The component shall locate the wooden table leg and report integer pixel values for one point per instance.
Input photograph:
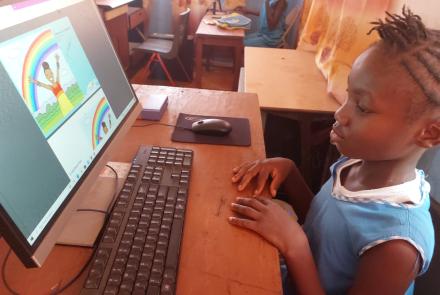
(306, 145)
(307, 139)
(199, 56)
(238, 61)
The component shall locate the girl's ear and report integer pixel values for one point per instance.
(429, 136)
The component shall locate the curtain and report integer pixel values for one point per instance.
(337, 31)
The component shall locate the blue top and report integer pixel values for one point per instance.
(273, 36)
(340, 229)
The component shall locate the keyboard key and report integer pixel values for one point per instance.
(187, 161)
(155, 279)
(167, 289)
(114, 280)
(126, 286)
(174, 244)
(111, 290)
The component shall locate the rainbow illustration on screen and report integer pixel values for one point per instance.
(38, 52)
(102, 110)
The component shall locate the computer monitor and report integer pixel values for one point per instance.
(65, 104)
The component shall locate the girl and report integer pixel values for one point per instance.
(368, 231)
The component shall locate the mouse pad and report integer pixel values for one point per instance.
(240, 134)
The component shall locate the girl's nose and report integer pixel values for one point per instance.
(341, 115)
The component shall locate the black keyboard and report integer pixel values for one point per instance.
(139, 249)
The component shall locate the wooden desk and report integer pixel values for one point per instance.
(216, 258)
(212, 35)
(289, 83)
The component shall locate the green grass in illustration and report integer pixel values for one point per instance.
(53, 116)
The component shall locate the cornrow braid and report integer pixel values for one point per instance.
(419, 46)
(403, 31)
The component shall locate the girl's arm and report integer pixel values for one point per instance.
(273, 223)
(299, 194)
(302, 269)
(41, 84)
(388, 268)
(274, 14)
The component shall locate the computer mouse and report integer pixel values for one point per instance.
(217, 127)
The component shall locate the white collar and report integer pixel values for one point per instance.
(404, 193)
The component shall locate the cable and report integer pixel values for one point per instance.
(112, 200)
(69, 283)
(115, 194)
(12, 291)
(163, 124)
(92, 210)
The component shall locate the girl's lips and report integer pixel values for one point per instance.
(335, 136)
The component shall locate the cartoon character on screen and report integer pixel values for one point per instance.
(104, 127)
(65, 105)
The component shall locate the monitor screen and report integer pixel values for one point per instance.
(64, 98)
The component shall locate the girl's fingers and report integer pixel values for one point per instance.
(245, 211)
(242, 222)
(262, 179)
(255, 203)
(251, 173)
(243, 166)
(275, 184)
(264, 200)
(236, 169)
(240, 171)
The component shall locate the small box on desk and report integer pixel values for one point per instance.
(153, 106)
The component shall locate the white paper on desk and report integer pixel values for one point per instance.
(112, 3)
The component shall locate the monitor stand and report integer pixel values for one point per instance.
(83, 227)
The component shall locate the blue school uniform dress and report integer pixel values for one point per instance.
(341, 225)
(266, 37)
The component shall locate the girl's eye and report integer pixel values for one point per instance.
(361, 109)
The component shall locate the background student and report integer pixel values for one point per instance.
(368, 231)
(271, 24)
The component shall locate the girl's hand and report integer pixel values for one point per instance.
(277, 168)
(270, 221)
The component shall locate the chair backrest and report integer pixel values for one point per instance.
(180, 32)
(291, 18)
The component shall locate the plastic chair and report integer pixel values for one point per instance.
(166, 48)
(290, 22)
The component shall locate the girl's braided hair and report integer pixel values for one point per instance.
(420, 48)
